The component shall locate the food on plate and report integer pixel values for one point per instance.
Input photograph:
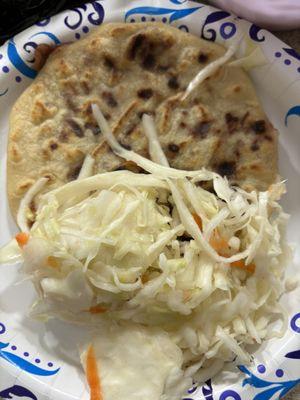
(132, 362)
(128, 70)
(190, 276)
(142, 172)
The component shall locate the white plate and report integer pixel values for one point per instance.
(38, 361)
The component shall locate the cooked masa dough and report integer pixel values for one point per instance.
(128, 70)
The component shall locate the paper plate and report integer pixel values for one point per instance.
(40, 361)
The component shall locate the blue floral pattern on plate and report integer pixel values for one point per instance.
(95, 18)
(292, 111)
(17, 391)
(175, 14)
(269, 388)
(21, 362)
(295, 355)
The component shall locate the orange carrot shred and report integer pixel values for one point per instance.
(219, 244)
(198, 220)
(241, 264)
(22, 238)
(223, 249)
(92, 375)
(98, 309)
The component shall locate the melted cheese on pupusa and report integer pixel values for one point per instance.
(135, 363)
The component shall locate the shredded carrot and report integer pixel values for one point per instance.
(241, 264)
(22, 238)
(93, 375)
(198, 220)
(223, 249)
(219, 244)
(52, 262)
(98, 309)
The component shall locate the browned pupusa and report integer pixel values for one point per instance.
(128, 70)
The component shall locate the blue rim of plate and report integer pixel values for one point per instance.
(264, 380)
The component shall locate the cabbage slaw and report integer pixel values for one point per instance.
(131, 247)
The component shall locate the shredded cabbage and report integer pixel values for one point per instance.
(134, 263)
(87, 167)
(253, 57)
(210, 69)
(160, 251)
(11, 253)
(22, 219)
(155, 150)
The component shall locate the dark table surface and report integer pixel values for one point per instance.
(17, 15)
